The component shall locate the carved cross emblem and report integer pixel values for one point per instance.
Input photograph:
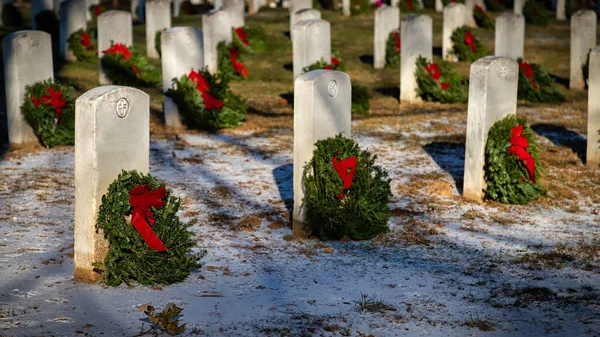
(122, 107)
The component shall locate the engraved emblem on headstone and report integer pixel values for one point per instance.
(503, 72)
(122, 107)
(332, 88)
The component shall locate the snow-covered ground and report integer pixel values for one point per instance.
(447, 268)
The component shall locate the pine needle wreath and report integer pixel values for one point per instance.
(83, 45)
(48, 107)
(126, 66)
(535, 85)
(495, 5)
(230, 62)
(129, 258)
(11, 17)
(215, 108)
(508, 180)
(392, 49)
(410, 6)
(250, 40)
(360, 212)
(436, 82)
(482, 18)
(535, 13)
(466, 46)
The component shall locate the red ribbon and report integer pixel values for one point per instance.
(518, 147)
(410, 5)
(97, 10)
(345, 169)
(470, 41)
(241, 33)
(434, 70)
(335, 61)
(141, 199)
(237, 65)
(445, 85)
(397, 37)
(477, 7)
(119, 48)
(55, 100)
(85, 40)
(210, 102)
(528, 72)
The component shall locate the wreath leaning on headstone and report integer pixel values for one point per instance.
(360, 95)
(205, 101)
(250, 40)
(465, 45)
(438, 83)
(482, 18)
(512, 167)
(230, 62)
(158, 41)
(124, 66)
(392, 49)
(535, 85)
(346, 194)
(148, 242)
(535, 13)
(48, 107)
(83, 45)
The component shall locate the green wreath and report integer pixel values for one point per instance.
(83, 45)
(129, 257)
(535, 13)
(436, 82)
(465, 45)
(482, 18)
(193, 108)
(158, 42)
(11, 17)
(48, 107)
(250, 40)
(134, 70)
(410, 6)
(535, 85)
(392, 49)
(360, 212)
(508, 180)
(230, 62)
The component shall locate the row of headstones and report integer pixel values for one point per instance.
(28, 60)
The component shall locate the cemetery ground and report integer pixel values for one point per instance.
(448, 267)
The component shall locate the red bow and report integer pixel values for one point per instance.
(345, 169)
(335, 61)
(528, 72)
(409, 5)
(119, 48)
(241, 33)
(55, 100)
(477, 7)
(210, 102)
(397, 37)
(434, 70)
(141, 199)
(238, 66)
(445, 85)
(85, 40)
(518, 147)
(470, 41)
(97, 10)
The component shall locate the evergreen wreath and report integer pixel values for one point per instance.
(11, 17)
(392, 49)
(465, 45)
(128, 67)
(482, 18)
(230, 62)
(512, 167)
(438, 83)
(250, 40)
(495, 5)
(83, 45)
(346, 194)
(158, 42)
(535, 13)
(205, 101)
(96, 10)
(408, 6)
(48, 107)
(163, 254)
(535, 85)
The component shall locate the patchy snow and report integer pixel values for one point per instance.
(447, 268)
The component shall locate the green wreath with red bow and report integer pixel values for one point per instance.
(123, 65)
(436, 82)
(512, 170)
(49, 107)
(536, 85)
(409, 6)
(149, 244)
(482, 18)
(230, 62)
(392, 49)
(83, 45)
(205, 102)
(346, 194)
(466, 46)
(535, 13)
(250, 40)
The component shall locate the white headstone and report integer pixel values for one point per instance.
(346, 11)
(216, 27)
(583, 39)
(27, 60)
(454, 17)
(439, 6)
(135, 9)
(38, 6)
(182, 51)
(158, 18)
(311, 42)
(593, 122)
(561, 11)
(510, 35)
(469, 18)
(177, 7)
(254, 6)
(72, 19)
(322, 109)
(112, 133)
(518, 6)
(387, 19)
(107, 22)
(301, 15)
(138, 10)
(492, 96)
(416, 34)
(236, 11)
(56, 6)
